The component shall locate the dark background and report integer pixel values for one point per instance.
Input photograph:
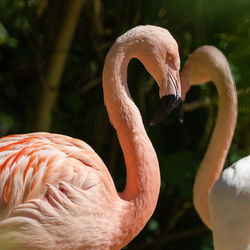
(30, 43)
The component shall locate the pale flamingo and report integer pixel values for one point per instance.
(222, 202)
(56, 193)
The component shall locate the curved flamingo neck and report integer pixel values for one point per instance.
(214, 159)
(143, 175)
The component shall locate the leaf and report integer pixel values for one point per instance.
(3, 34)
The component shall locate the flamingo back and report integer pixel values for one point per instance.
(29, 162)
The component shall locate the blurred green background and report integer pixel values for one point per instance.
(51, 59)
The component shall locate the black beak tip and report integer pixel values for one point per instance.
(167, 104)
(179, 112)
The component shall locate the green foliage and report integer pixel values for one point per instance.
(207, 243)
(180, 170)
(27, 32)
(5, 38)
(6, 123)
(3, 34)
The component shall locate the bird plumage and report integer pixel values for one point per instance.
(55, 191)
(52, 178)
(229, 204)
(221, 198)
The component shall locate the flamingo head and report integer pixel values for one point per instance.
(158, 51)
(203, 63)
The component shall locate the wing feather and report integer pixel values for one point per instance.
(29, 162)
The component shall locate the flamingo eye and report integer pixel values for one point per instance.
(170, 60)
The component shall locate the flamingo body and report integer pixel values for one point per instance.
(39, 158)
(229, 204)
(43, 177)
(55, 191)
(221, 198)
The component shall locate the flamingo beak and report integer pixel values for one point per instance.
(170, 99)
(167, 104)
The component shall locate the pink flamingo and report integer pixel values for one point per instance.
(222, 202)
(56, 193)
